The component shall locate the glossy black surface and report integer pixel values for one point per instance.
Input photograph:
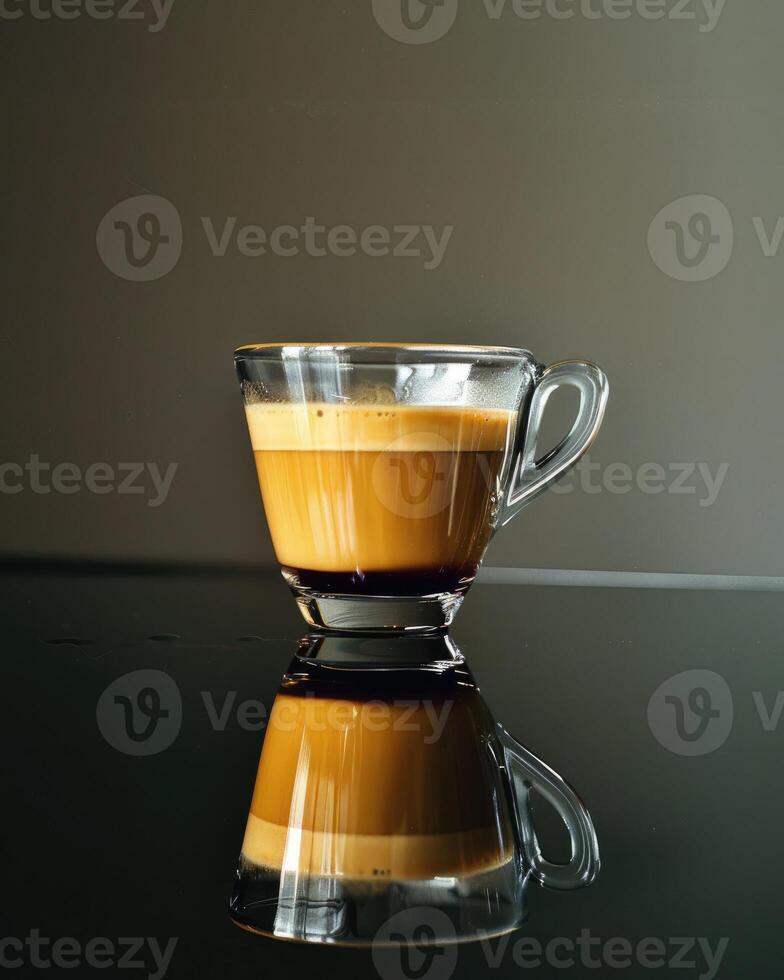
(101, 843)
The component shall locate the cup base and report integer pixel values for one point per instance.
(378, 613)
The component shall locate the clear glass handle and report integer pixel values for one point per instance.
(526, 772)
(529, 477)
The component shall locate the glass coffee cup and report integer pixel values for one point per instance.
(389, 804)
(385, 468)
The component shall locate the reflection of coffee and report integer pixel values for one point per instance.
(357, 785)
(379, 499)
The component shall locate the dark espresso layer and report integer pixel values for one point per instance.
(436, 682)
(413, 582)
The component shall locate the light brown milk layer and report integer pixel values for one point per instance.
(397, 856)
(378, 487)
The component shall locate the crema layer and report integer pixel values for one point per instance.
(377, 427)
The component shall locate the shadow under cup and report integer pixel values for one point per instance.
(384, 470)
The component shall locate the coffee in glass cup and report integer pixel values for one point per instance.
(385, 469)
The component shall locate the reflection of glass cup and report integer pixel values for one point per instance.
(384, 787)
(384, 469)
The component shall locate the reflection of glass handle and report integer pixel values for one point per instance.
(529, 476)
(526, 772)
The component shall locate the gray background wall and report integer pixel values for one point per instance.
(550, 145)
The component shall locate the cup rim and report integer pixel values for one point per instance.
(270, 350)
